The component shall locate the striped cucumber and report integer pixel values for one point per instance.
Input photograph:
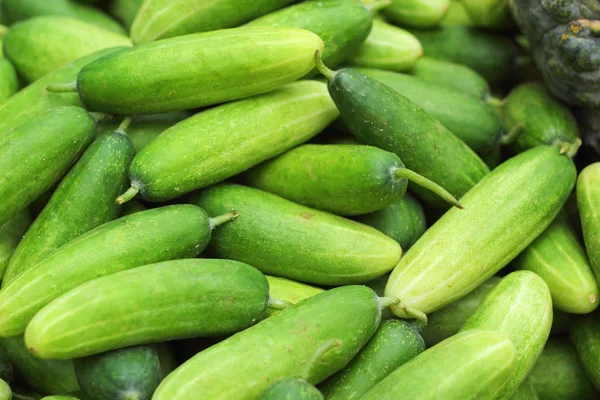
(11, 234)
(291, 291)
(585, 335)
(525, 392)
(417, 13)
(588, 201)
(9, 81)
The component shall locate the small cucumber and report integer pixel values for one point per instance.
(6, 368)
(525, 392)
(315, 247)
(5, 392)
(558, 258)
(588, 201)
(9, 81)
(11, 234)
(520, 307)
(349, 313)
(36, 154)
(585, 334)
(226, 140)
(395, 343)
(125, 10)
(291, 291)
(417, 13)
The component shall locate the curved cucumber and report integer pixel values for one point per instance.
(588, 201)
(585, 334)
(417, 13)
(315, 247)
(525, 392)
(9, 81)
(291, 389)
(11, 234)
(444, 266)
(288, 290)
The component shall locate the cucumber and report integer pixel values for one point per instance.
(160, 234)
(311, 175)
(417, 13)
(36, 154)
(132, 207)
(466, 247)
(378, 115)
(195, 70)
(474, 364)
(6, 368)
(349, 313)
(491, 14)
(5, 392)
(558, 258)
(520, 307)
(59, 397)
(83, 201)
(315, 247)
(291, 291)
(41, 45)
(226, 140)
(585, 335)
(161, 19)
(457, 15)
(9, 81)
(10, 236)
(588, 201)
(125, 10)
(473, 121)
(132, 373)
(395, 343)
(525, 392)
(532, 117)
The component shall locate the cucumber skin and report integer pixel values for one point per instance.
(221, 142)
(160, 234)
(349, 313)
(288, 290)
(84, 200)
(10, 236)
(395, 343)
(588, 201)
(525, 392)
(417, 13)
(486, 219)
(526, 322)
(9, 81)
(291, 389)
(197, 70)
(316, 247)
(585, 335)
(43, 149)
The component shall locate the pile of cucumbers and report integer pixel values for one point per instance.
(291, 200)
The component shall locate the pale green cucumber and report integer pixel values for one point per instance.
(417, 13)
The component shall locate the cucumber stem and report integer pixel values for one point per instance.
(321, 350)
(427, 184)
(387, 301)
(221, 219)
(570, 149)
(62, 87)
(377, 5)
(514, 133)
(327, 73)
(277, 304)
(100, 116)
(123, 126)
(128, 195)
(497, 103)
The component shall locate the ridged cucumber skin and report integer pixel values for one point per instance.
(473, 364)
(520, 307)
(340, 179)
(417, 13)
(585, 335)
(160, 234)
(588, 201)
(6, 367)
(446, 322)
(35, 99)
(291, 389)
(288, 290)
(315, 247)
(525, 392)
(473, 121)
(11, 234)
(558, 375)
(125, 10)
(9, 81)
(442, 266)
(35, 155)
(378, 115)
(349, 313)
(84, 200)
(161, 19)
(5, 392)
(221, 142)
(558, 258)
(395, 343)
(197, 70)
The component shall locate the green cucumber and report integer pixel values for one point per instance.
(349, 313)
(315, 247)
(417, 13)
(520, 306)
(588, 201)
(195, 70)
(161, 19)
(160, 234)
(84, 200)
(341, 179)
(464, 248)
(132, 373)
(585, 335)
(6, 368)
(221, 142)
(560, 260)
(525, 392)
(125, 10)
(395, 343)
(132, 207)
(41, 45)
(473, 121)
(290, 291)
(380, 116)
(36, 154)
(474, 364)
(456, 15)
(59, 397)
(9, 81)
(5, 392)
(11, 234)
(491, 14)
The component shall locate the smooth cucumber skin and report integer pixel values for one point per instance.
(395, 343)
(11, 234)
(291, 389)
(288, 290)
(585, 335)
(9, 81)
(421, 142)
(314, 247)
(473, 121)
(525, 392)
(520, 307)
(197, 70)
(5, 392)
(349, 313)
(417, 13)
(84, 200)
(588, 201)
(160, 234)
(340, 179)
(560, 260)
(36, 154)
(161, 19)
(6, 367)
(444, 266)
(221, 142)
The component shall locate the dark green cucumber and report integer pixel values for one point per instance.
(314, 247)
(132, 207)
(9, 81)
(84, 200)
(6, 368)
(585, 335)
(125, 10)
(11, 234)
(160, 234)
(394, 343)
(349, 313)
(588, 201)
(417, 13)
(525, 392)
(380, 116)
(36, 154)
(341, 179)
